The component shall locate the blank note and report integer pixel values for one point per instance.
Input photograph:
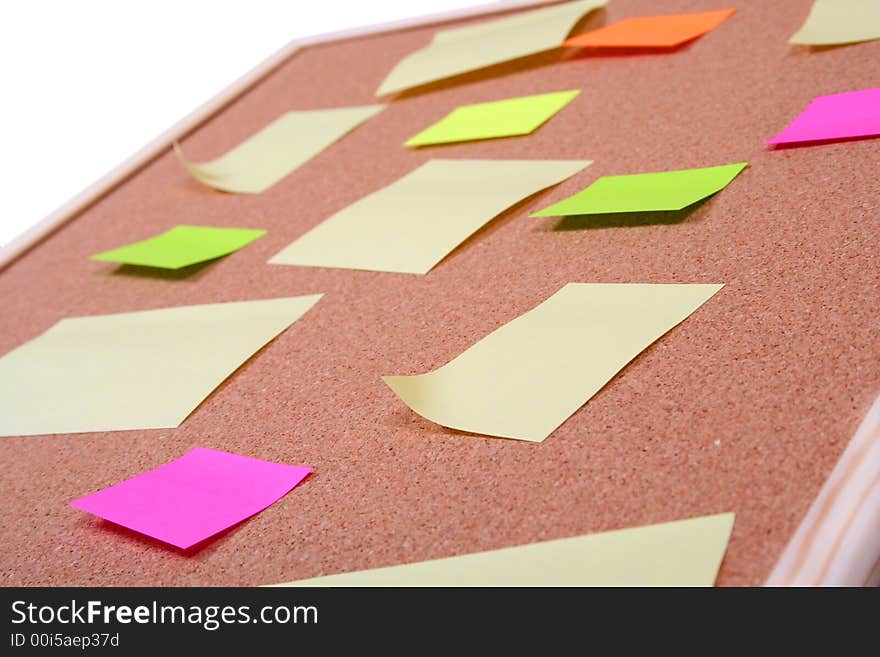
(836, 116)
(531, 374)
(679, 553)
(275, 151)
(411, 225)
(646, 192)
(835, 22)
(182, 246)
(463, 49)
(138, 370)
(195, 496)
(665, 31)
(500, 118)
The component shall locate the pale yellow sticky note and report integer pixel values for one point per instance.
(139, 370)
(275, 151)
(526, 378)
(680, 553)
(411, 225)
(832, 22)
(473, 47)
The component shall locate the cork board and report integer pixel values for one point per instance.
(746, 406)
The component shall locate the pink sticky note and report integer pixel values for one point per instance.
(194, 497)
(838, 116)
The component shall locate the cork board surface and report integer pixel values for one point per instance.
(746, 406)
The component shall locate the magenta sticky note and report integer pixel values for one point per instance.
(838, 116)
(194, 497)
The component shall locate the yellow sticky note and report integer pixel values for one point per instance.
(139, 370)
(473, 47)
(526, 378)
(275, 151)
(833, 22)
(411, 225)
(501, 118)
(680, 553)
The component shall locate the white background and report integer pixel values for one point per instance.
(87, 83)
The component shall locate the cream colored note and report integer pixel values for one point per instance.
(140, 370)
(275, 151)
(411, 225)
(526, 378)
(680, 553)
(473, 47)
(832, 22)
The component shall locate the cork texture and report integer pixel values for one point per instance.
(744, 407)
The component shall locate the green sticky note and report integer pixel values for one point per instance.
(182, 246)
(502, 118)
(645, 192)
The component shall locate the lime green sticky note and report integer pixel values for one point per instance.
(645, 192)
(182, 246)
(501, 118)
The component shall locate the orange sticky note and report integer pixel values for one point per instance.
(652, 31)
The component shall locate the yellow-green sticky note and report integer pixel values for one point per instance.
(646, 192)
(502, 118)
(679, 553)
(182, 246)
